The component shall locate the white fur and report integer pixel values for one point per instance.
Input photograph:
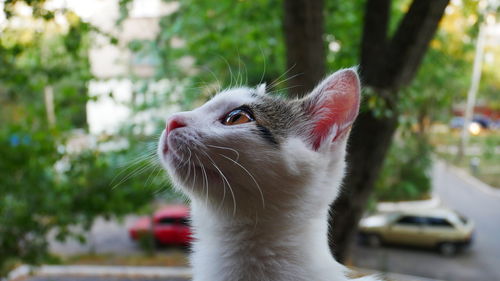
(259, 213)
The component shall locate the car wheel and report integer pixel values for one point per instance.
(373, 240)
(447, 249)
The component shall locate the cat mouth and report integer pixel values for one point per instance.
(181, 158)
(176, 158)
(168, 149)
(191, 169)
(186, 162)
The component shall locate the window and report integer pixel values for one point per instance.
(184, 222)
(463, 219)
(166, 221)
(410, 220)
(438, 222)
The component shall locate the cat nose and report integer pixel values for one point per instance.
(174, 123)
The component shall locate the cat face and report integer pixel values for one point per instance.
(245, 151)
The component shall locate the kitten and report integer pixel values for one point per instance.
(261, 172)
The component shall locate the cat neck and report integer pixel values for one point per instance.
(280, 246)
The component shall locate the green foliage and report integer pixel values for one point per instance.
(34, 60)
(241, 42)
(344, 25)
(44, 188)
(49, 183)
(436, 88)
(443, 79)
(247, 35)
(406, 171)
(39, 10)
(232, 43)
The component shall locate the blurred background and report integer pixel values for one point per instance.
(85, 87)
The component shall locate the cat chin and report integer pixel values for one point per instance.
(192, 178)
(170, 156)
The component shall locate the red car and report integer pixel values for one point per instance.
(170, 226)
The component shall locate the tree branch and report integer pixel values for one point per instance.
(412, 39)
(374, 39)
(305, 52)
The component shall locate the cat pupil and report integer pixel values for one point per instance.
(236, 117)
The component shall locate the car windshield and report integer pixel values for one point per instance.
(166, 220)
(410, 220)
(462, 219)
(438, 222)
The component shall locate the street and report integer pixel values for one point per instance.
(480, 262)
(105, 237)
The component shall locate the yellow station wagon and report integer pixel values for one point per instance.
(440, 228)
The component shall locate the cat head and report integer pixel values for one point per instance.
(245, 150)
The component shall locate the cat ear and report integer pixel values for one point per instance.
(332, 106)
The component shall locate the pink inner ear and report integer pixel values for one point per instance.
(338, 105)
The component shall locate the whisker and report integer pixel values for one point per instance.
(150, 174)
(159, 174)
(205, 179)
(251, 176)
(194, 174)
(284, 89)
(136, 172)
(219, 84)
(264, 71)
(130, 166)
(246, 72)
(240, 75)
(274, 85)
(230, 70)
(279, 77)
(189, 164)
(225, 179)
(227, 148)
(138, 159)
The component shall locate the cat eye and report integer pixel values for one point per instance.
(238, 116)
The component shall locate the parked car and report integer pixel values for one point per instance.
(484, 122)
(439, 228)
(170, 226)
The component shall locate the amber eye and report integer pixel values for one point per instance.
(238, 116)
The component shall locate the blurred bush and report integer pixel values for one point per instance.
(53, 176)
(406, 171)
(44, 189)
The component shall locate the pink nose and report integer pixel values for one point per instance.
(173, 124)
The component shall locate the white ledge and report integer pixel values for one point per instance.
(97, 270)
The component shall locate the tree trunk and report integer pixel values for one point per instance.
(305, 52)
(368, 145)
(386, 66)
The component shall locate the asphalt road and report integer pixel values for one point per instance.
(105, 237)
(479, 263)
